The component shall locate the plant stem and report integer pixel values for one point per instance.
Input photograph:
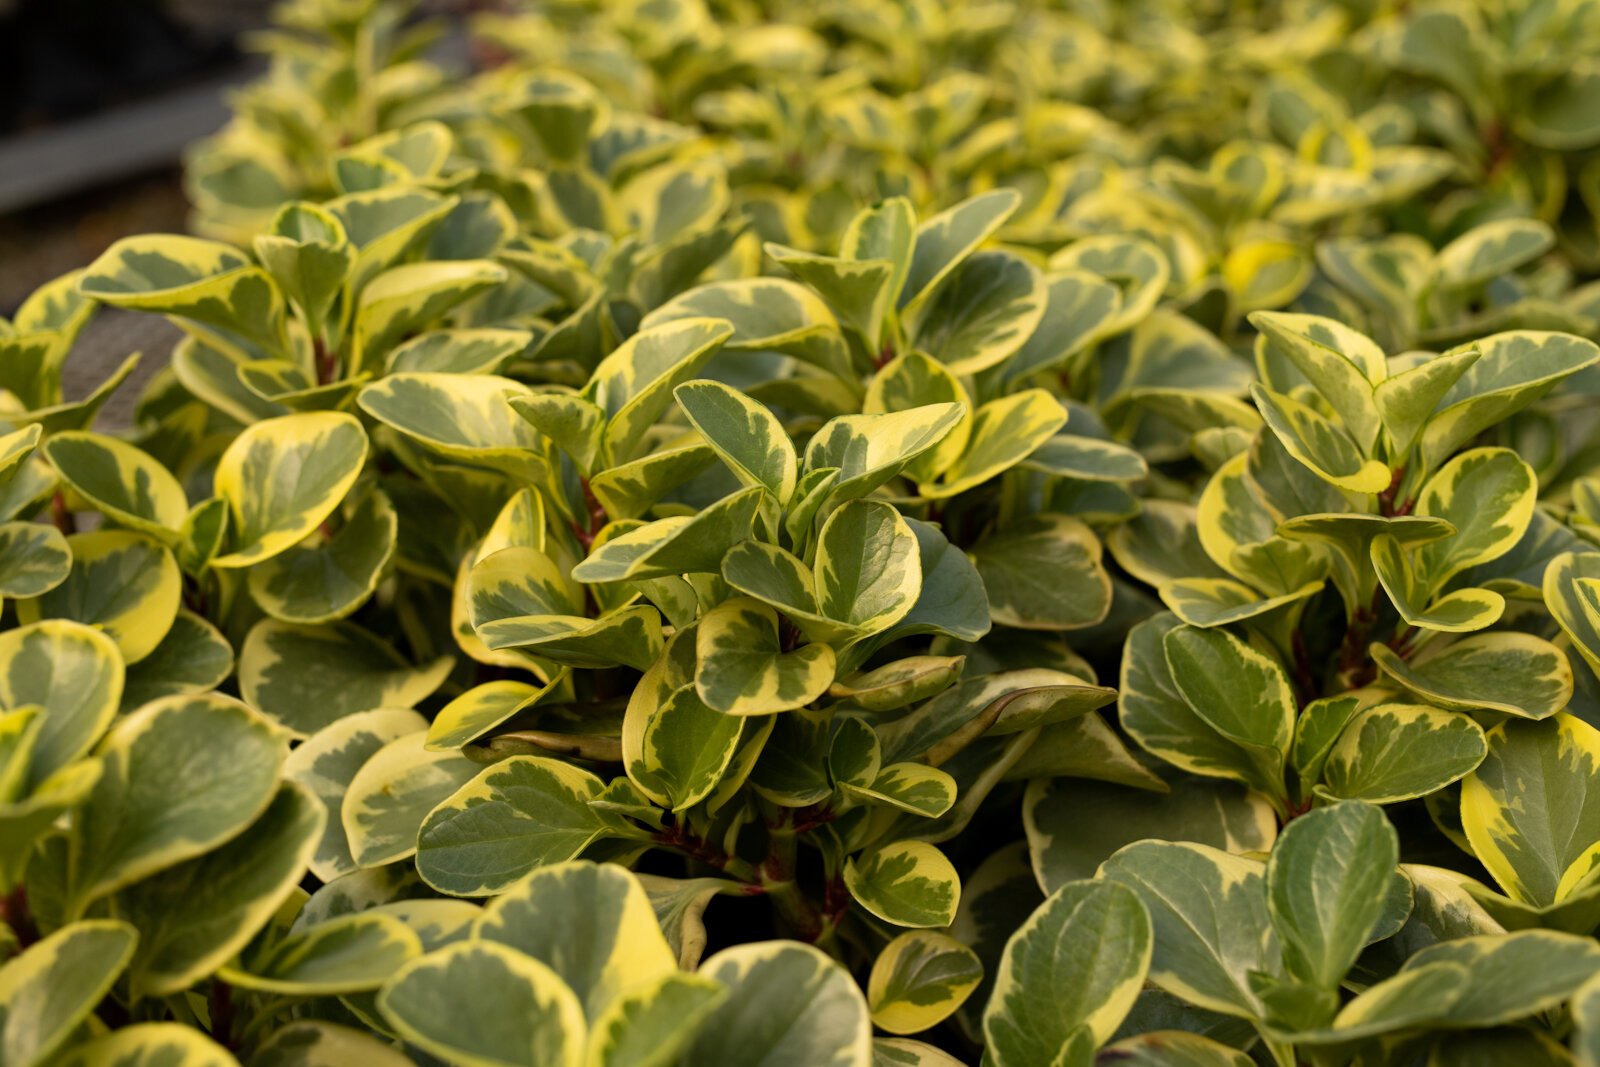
(222, 1013)
(796, 914)
(60, 515)
(14, 908)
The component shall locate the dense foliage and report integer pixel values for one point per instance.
(628, 563)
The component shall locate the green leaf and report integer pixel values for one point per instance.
(984, 310)
(1267, 273)
(953, 601)
(206, 283)
(1156, 714)
(902, 1052)
(1080, 308)
(743, 668)
(897, 684)
(1511, 673)
(1074, 825)
(591, 924)
(1512, 371)
(196, 916)
(1458, 611)
(1174, 1048)
(1407, 400)
(122, 482)
(123, 583)
(1138, 267)
(519, 599)
(47, 991)
(674, 546)
(1004, 433)
(651, 1024)
(856, 290)
(1586, 1037)
(1209, 911)
(474, 351)
(885, 231)
(305, 677)
(869, 450)
(1239, 692)
(914, 788)
(383, 223)
(1207, 602)
(134, 824)
(308, 254)
(855, 755)
(310, 584)
(1320, 444)
(482, 708)
(1340, 363)
(1487, 251)
(1488, 495)
(192, 658)
(1044, 573)
(634, 384)
(1085, 747)
(483, 1005)
(521, 813)
(677, 751)
(1568, 599)
(1087, 459)
(1471, 982)
(920, 979)
(748, 437)
(788, 1005)
(74, 674)
(406, 298)
(1394, 752)
(148, 1044)
(282, 478)
(944, 241)
(679, 905)
(1542, 851)
(868, 569)
(464, 416)
(1090, 946)
(347, 954)
(393, 791)
(907, 883)
(1326, 883)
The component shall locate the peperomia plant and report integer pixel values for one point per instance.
(627, 563)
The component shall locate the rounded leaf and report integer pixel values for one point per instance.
(283, 477)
